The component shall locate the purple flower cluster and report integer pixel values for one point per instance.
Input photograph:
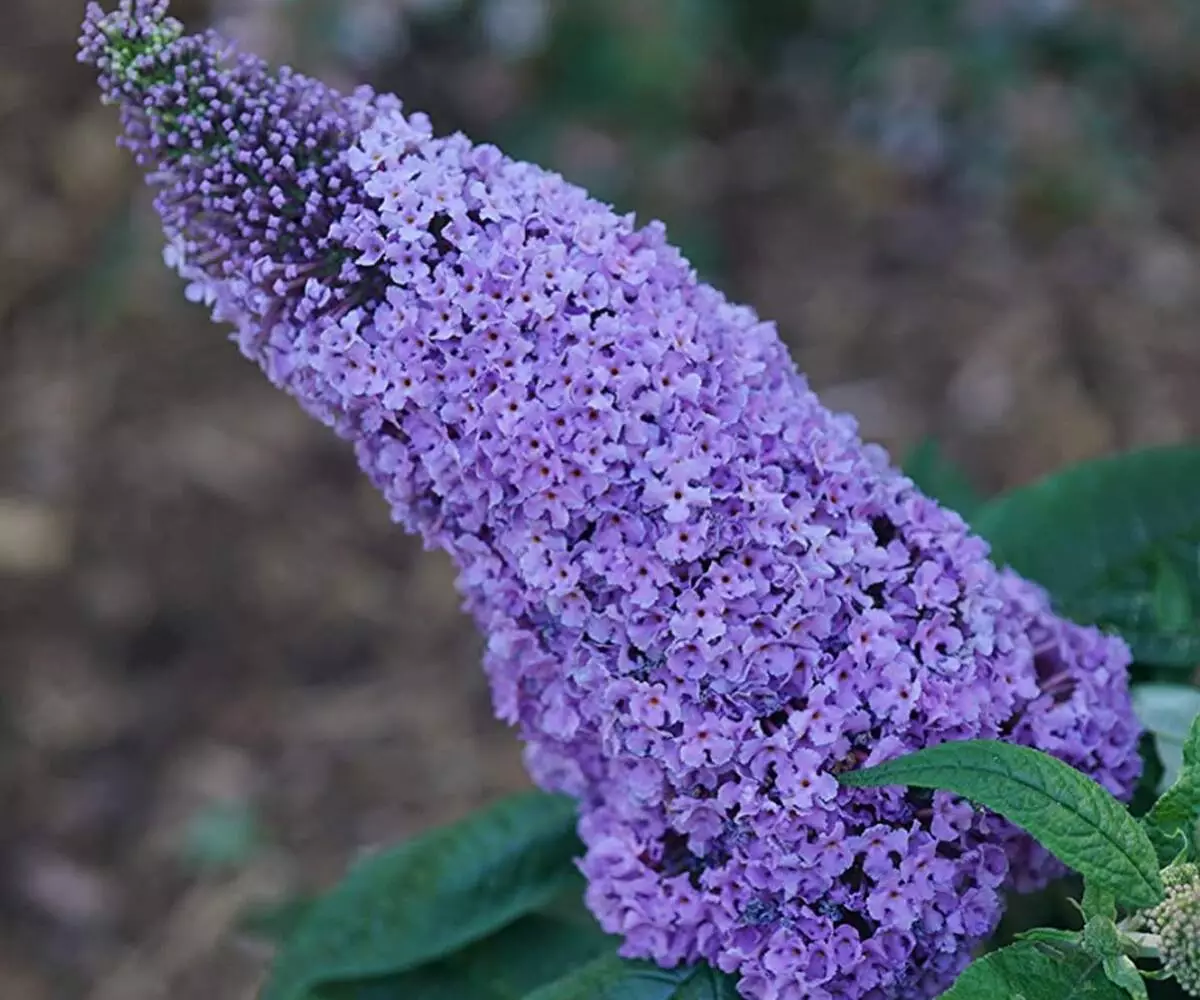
(703, 595)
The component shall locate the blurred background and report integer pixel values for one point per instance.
(223, 672)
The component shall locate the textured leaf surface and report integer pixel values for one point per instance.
(613, 978)
(938, 477)
(1071, 815)
(433, 895)
(1173, 817)
(509, 965)
(1034, 972)
(1097, 902)
(1101, 939)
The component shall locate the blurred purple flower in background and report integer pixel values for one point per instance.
(703, 595)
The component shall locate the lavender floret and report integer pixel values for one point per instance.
(703, 595)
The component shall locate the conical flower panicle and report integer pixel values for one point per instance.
(703, 595)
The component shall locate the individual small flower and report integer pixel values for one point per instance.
(703, 595)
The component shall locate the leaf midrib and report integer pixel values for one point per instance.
(1066, 808)
(1011, 776)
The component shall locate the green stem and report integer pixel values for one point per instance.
(1142, 945)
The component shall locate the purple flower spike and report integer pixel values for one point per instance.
(703, 595)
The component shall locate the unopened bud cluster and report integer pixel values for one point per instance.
(1176, 921)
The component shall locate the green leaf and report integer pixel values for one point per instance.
(568, 907)
(613, 978)
(512, 963)
(1167, 711)
(1072, 529)
(1101, 939)
(1152, 648)
(433, 895)
(1171, 820)
(1034, 972)
(1071, 815)
(1116, 541)
(1097, 902)
(938, 477)
(1121, 972)
(1172, 598)
(1150, 601)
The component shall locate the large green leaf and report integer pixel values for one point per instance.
(1034, 972)
(509, 965)
(432, 896)
(937, 477)
(1151, 601)
(1072, 529)
(1171, 821)
(1116, 541)
(1071, 815)
(613, 978)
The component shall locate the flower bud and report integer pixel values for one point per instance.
(1176, 920)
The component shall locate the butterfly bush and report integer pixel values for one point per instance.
(703, 595)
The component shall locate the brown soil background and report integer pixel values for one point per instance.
(204, 608)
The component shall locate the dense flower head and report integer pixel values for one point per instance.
(703, 595)
(1176, 921)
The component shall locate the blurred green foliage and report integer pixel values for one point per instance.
(221, 836)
